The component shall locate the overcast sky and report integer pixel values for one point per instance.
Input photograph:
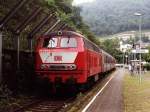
(77, 2)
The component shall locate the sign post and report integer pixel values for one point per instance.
(140, 51)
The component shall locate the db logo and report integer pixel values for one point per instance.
(57, 58)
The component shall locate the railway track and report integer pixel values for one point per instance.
(56, 104)
(46, 105)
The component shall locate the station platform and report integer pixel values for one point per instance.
(110, 97)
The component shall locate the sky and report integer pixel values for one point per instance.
(78, 2)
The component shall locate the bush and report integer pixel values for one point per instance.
(147, 66)
(5, 93)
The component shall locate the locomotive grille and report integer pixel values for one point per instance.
(58, 66)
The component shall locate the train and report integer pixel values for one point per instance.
(69, 57)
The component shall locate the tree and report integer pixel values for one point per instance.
(113, 16)
(110, 46)
(146, 57)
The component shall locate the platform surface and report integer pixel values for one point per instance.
(111, 98)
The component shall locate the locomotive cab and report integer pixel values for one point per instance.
(60, 54)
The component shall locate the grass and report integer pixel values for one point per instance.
(136, 95)
(10, 103)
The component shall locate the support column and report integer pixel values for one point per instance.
(31, 47)
(48, 31)
(1, 56)
(18, 53)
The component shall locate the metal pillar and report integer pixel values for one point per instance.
(140, 32)
(140, 36)
(27, 20)
(18, 53)
(1, 56)
(134, 54)
(31, 47)
(39, 26)
(123, 59)
(48, 31)
(13, 11)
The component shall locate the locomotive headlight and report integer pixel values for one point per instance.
(43, 66)
(71, 67)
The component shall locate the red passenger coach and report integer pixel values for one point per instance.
(68, 56)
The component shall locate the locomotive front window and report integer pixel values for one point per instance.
(50, 42)
(68, 42)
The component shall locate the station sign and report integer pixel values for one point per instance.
(140, 51)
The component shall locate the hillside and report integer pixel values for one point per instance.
(113, 16)
(61, 9)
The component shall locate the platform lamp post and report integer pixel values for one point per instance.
(140, 36)
(123, 55)
(134, 41)
(126, 59)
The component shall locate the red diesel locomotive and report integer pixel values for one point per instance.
(64, 56)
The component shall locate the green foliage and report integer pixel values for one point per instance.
(113, 16)
(135, 94)
(145, 39)
(74, 20)
(147, 66)
(110, 46)
(71, 16)
(63, 9)
(146, 57)
(64, 5)
(5, 93)
(50, 1)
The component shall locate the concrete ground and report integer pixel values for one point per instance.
(111, 98)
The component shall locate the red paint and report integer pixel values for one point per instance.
(57, 58)
(89, 62)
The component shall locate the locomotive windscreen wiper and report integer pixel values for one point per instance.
(68, 39)
(52, 40)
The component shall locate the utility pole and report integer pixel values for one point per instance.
(140, 22)
(123, 58)
(140, 36)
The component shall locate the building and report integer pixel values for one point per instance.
(124, 47)
(130, 34)
(143, 44)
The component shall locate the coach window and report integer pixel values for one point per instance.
(68, 42)
(50, 43)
